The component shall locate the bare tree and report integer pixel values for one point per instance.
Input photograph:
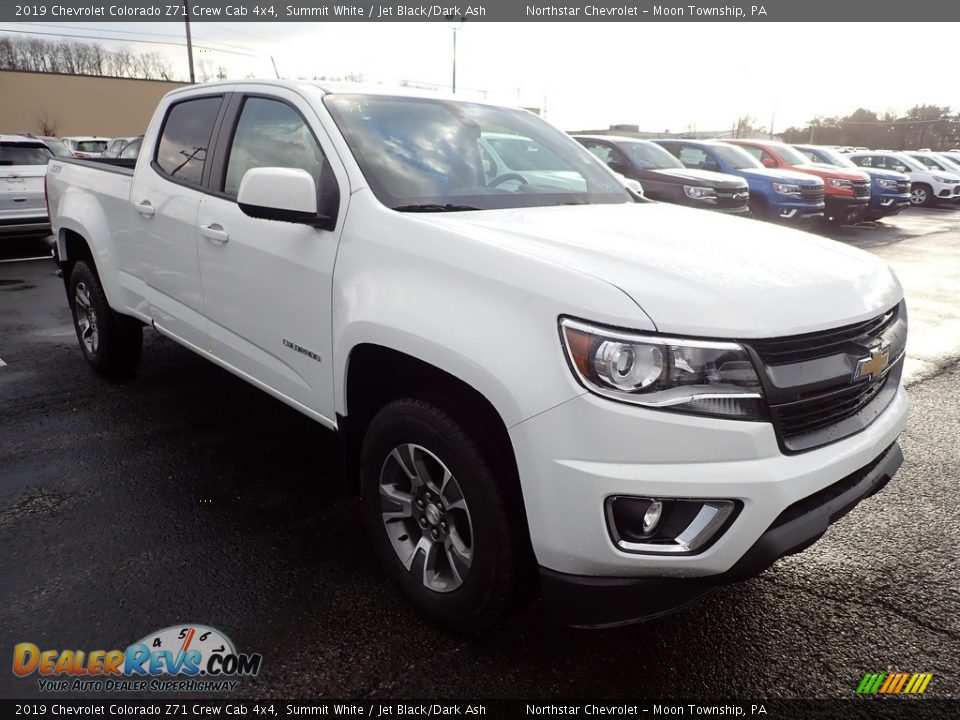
(47, 125)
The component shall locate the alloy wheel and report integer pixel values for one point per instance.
(86, 318)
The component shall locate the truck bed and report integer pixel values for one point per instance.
(115, 165)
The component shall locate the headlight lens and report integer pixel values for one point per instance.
(695, 192)
(786, 189)
(941, 179)
(839, 183)
(886, 184)
(700, 377)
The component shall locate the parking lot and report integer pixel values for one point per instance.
(186, 495)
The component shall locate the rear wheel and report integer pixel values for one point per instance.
(922, 195)
(437, 511)
(110, 342)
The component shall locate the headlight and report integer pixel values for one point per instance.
(941, 179)
(695, 192)
(786, 189)
(887, 184)
(838, 183)
(700, 377)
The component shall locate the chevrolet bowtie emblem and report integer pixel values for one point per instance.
(872, 366)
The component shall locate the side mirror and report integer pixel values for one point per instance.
(284, 194)
(769, 162)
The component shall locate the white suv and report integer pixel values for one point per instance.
(927, 186)
(23, 165)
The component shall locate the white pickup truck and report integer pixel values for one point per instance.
(627, 402)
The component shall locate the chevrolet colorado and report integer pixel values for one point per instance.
(631, 402)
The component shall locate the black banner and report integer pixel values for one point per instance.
(894, 708)
(483, 10)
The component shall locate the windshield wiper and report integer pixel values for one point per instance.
(434, 207)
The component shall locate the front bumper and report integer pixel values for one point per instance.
(846, 209)
(886, 205)
(585, 601)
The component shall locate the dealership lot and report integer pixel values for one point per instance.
(185, 495)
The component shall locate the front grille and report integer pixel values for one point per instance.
(781, 351)
(811, 383)
(903, 187)
(826, 410)
(812, 194)
(861, 190)
(732, 199)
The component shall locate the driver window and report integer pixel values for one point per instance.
(755, 151)
(271, 134)
(601, 151)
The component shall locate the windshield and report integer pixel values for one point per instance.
(735, 157)
(829, 156)
(58, 148)
(949, 163)
(20, 154)
(791, 156)
(433, 154)
(911, 163)
(648, 156)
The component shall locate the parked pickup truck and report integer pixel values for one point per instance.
(630, 401)
(663, 177)
(781, 195)
(847, 191)
(889, 190)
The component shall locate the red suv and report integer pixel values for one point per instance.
(847, 192)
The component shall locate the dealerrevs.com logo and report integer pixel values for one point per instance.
(187, 658)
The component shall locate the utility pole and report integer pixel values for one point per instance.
(456, 22)
(186, 20)
(276, 72)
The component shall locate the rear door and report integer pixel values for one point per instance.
(267, 284)
(23, 166)
(161, 250)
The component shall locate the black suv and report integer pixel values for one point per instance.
(664, 177)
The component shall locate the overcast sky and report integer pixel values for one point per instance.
(660, 76)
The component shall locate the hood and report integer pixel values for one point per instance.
(780, 175)
(882, 174)
(696, 273)
(704, 177)
(833, 171)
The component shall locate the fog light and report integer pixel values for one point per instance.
(667, 525)
(652, 516)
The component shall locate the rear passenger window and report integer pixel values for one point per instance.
(182, 150)
(271, 134)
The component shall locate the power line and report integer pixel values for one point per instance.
(176, 36)
(113, 39)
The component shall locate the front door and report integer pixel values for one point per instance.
(267, 284)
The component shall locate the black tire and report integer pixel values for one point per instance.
(496, 525)
(113, 341)
(928, 197)
(759, 207)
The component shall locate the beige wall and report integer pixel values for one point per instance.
(77, 105)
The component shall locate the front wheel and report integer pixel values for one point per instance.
(438, 514)
(110, 342)
(922, 195)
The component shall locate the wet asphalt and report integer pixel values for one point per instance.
(184, 495)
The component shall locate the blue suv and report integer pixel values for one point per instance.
(784, 195)
(889, 190)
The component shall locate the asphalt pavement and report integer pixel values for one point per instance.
(184, 495)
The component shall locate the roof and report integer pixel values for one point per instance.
(21, 140)
(613, 138)
(336, 88)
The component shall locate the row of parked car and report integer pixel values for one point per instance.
(776, 181)
(770, 180)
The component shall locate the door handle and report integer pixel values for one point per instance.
(215, 233)
(145, 208)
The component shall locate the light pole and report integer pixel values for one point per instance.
(456, 22)
(186, 20)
